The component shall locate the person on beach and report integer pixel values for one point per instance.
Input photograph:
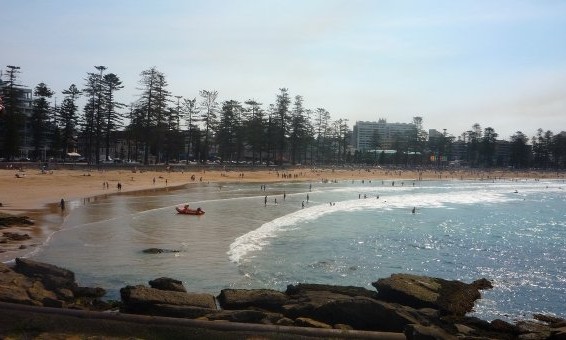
(265, 201)
(62, 204)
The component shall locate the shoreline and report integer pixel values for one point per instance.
(37, 194)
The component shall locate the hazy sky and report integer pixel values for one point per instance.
(501, 64)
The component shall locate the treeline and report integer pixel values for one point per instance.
(160, 127)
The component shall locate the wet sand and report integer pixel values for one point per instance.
(37, 194)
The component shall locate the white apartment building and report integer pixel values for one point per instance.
(364, 132)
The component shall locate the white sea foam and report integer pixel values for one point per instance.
(257, 239)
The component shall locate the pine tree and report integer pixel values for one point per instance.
(254, 128)
(152, 108)
(113, 120)
(299, 130)
(13, 117)
(321, 124)
(89, 117)
(209, 106)
(68, 114)
(40, 117)
(190, 115)
(282, 113)
(227, 131)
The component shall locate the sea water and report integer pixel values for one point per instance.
(344, 233)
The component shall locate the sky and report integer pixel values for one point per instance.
(498, 63)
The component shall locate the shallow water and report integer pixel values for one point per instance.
(460, 230)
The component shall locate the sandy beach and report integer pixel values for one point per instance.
(37, 194)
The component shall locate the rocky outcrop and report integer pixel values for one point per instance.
(40, 284)
(158, 251)
(450, 297)
(266, 299)
(51, 276)
(145, 300)
(10, 220)
(165, 283)
(420, 307)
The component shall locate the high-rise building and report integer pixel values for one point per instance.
(366, 134)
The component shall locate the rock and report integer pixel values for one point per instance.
(158, 251)
(9, 220)
(450, 297)
(267, 299)
(51, 276)
(420, 332)
(558, 333)
(284, 322)
(528, 329)
(307, 322)
(16, 294)
(90, 292)
(17, 288)
(482, 284)
(340, 305)
(38, 293)
(165, 283)
(549, 319)
(174, 311)
(141, 299)
(464, 330)
(368, 314)
(65, 294)
(342, 290)
(15, 236)
(244, 316)
(499, 325)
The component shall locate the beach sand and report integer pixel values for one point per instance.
(37, 194)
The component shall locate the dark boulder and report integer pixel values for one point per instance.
(15, 236)
(142, 299)
(368, 314)
(165, 283)
(342, 290)
(89, 292)
(18, 288)
(158, 251)
(266, 299)
(342, 305)
(450, 297)
(51, 276)
(9, 220)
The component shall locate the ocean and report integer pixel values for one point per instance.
(345, 233)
